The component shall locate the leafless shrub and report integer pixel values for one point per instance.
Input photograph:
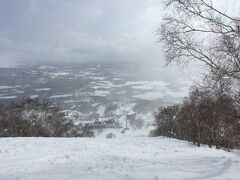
(207, 116)
(33, 118)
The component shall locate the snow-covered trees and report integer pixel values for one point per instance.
(34, 118)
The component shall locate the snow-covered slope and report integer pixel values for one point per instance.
(130, 158)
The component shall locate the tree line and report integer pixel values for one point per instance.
(208, 116)
(34, 118)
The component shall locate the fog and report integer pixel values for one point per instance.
(88, 56)
(78, 31)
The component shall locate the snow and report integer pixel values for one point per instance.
(18, 92)
(150, 95)
(42, 89)
(34, 96)
(121, 92)
(178, 94)
(101, 110)
(104, 85)
(57, 74)
(61, 96)
(8, 87)
(5, 87)
(8, 97)
(125, 108)
(101, 93)
(123, 157)
(153, 95)
(117, 79)
(147, 85)
(97, 78)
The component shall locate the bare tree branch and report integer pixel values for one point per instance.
(196, 30)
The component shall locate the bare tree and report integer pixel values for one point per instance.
(197, 30)
(33, 118)
(208, 116)
(166, 120)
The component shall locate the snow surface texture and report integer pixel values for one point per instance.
(120, 158)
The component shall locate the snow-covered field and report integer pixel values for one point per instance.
(93, 92)
(121, 158)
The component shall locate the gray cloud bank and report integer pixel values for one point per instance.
(78, 30)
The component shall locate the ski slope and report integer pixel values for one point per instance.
(120, 158)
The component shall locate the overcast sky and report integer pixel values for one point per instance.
(80, 30)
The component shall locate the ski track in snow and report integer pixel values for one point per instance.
(125, 158)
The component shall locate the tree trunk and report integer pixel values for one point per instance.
(198, 135)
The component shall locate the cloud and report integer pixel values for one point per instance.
(79, 30)
(60, 30)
